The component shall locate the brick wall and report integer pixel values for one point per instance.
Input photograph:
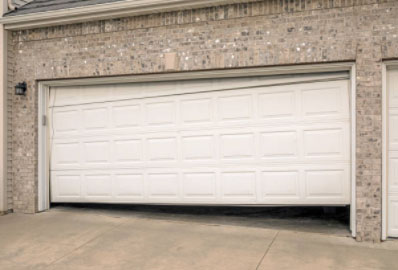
(263, 33)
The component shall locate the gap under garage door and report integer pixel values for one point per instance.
(260, 140)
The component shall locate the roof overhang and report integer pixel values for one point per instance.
(104, 11)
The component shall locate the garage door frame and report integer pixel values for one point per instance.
(44, 86)
(387, 65)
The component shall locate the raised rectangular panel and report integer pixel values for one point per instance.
(98, 185)
(160, 113)
(163, 185)
(66, 153)
(237, 146)
(162, 149)
(392, 84)
(279, 144)
(393, 175)
(128, 150)
(64, 96)
(280, 104)
(392, 219)
(324, 142)
(199, 185)
(96, 152)
(68, 185)
(94, 93)
(126, 116)
(129, 185)
(280, 184)
(198, 147)
(325, 183)
(238, 185)
(322, 101)
(65, 121)
(96, 118)
(196, 110)
(235, 107)
(393, 131)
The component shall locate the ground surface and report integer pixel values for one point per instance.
(155, 238)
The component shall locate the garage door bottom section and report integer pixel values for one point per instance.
(217, 142)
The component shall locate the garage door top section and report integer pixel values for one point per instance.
(224, 141)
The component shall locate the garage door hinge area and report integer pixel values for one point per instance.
(44, 120)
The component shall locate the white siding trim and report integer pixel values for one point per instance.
(353, 152)
(384, 154)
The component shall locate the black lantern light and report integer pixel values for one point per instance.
(20, 89)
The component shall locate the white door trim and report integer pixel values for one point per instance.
(44, 86)
(353, 208)
(386, 66)
(384, 155)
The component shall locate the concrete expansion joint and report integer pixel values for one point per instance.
(267, 250)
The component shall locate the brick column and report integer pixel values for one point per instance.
(369, 140)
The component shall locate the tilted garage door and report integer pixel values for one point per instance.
(260, 140)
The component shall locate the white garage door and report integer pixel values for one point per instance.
(392, 181)
(221, 141)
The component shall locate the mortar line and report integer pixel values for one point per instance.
(267, 250)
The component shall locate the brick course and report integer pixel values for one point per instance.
(262, 33)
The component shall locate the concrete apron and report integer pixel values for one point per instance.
(82, 239)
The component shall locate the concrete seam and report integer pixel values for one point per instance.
(267, 250)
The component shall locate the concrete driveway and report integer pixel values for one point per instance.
(70, 238)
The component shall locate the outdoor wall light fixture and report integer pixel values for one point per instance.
(20, 89)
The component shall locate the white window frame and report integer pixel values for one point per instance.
(44, 88)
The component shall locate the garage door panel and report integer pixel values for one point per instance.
(280, 185)
(279, 144)
(98, 185)
(326, 184)
(238, 186)
(393, 174)
(197, 110)
(66, 154)
(161, 148)
(277, 104)
(234, 107)
(200, 186)
(66, 121)
(96, 152)
(324, 101)
(129, 186)
(237, 146)
(128, 150)
(95, 118)
(267, 145)
(67, 185)
(160, 113)
(163, 186)
(325, 143)
(393, 215)
(198, 148)
(125, 115)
